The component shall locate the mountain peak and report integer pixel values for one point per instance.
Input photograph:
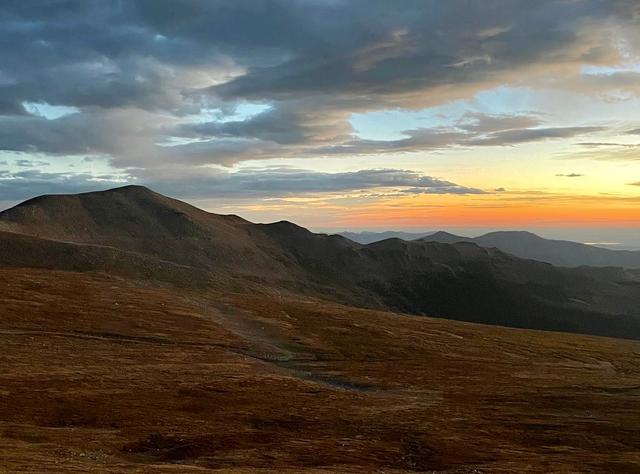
(442, 237)
(131, 211)
(130, 188)
(443, 233)
(512, 233)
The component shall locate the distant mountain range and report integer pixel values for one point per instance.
(371, 237)
(521, 244)
(136, 233)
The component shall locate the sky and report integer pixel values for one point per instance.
(335, 114)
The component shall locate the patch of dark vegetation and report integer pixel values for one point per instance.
(289, 424)
(77, 413)
(172, 447)
(182, 447)
(20, 435)
(417, 455)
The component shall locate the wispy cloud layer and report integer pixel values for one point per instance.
(258, 182)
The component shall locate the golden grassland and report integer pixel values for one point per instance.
(101, 374)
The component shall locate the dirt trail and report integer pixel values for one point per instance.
(267, 343)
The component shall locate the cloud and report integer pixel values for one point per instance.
(16, 186)
(570, 175)
(301, 181)
(477, 130)
(31, 163)
(408, 60)
(127, 136)
(606, 144)
(514, 137)
(145, 75)
(283, 181)
(635, 184)
(483, 123)
(610, 86)
(273, 133)
(246, 183)
(298, 123)
(446, 190)
(606, 152)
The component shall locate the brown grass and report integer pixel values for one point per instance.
(99, 374)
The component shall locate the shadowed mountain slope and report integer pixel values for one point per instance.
(134, 232)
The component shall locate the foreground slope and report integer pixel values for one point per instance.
(101, 374)
(136, 233)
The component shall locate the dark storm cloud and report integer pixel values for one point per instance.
(139, 71)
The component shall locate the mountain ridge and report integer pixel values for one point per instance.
(137, 233)
(523, 244)
(558, 252)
